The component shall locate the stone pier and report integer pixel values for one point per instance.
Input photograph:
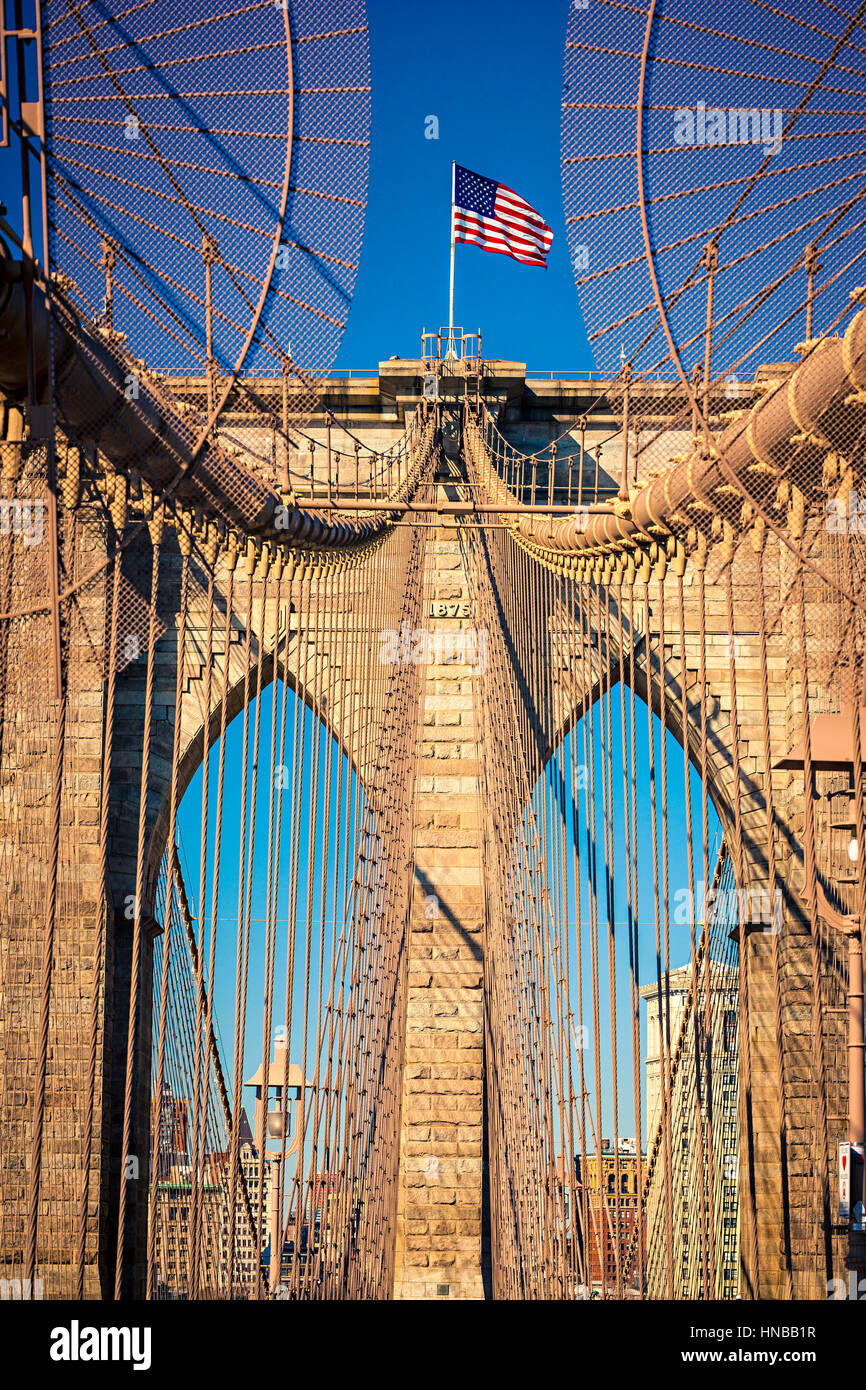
(442, 1242)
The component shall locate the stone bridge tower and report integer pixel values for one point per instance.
(442, 1239)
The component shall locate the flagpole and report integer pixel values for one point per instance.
(451, 295)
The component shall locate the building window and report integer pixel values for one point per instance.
(729, 1037)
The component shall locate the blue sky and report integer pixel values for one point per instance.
(492, 74)
(494, 83)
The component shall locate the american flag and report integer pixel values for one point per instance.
(494, 217)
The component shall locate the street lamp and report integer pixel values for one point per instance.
(278, 1099)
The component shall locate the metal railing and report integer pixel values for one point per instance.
(433, 343)
(459, 346)
(450, 343)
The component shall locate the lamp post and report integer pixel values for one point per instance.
(276, 1097)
